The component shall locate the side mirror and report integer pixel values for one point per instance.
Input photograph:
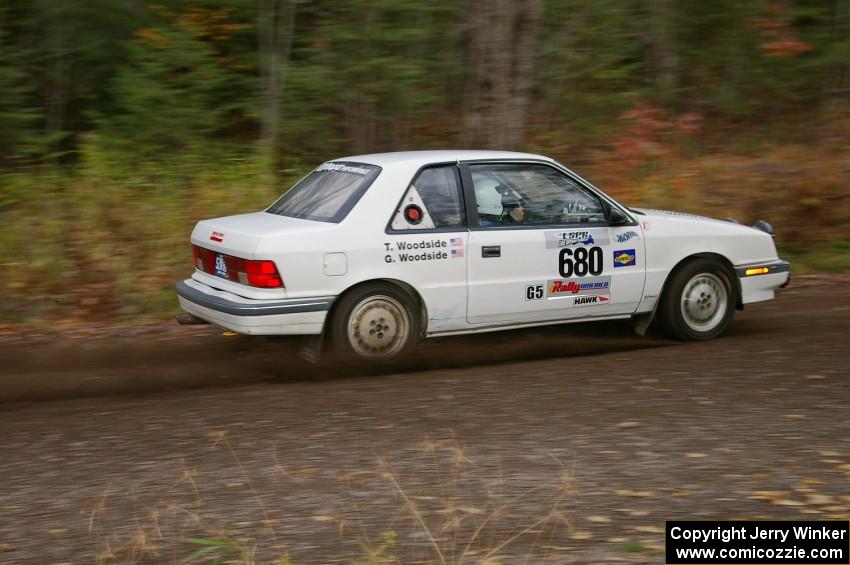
(617, 217)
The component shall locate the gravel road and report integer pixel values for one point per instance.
(565, 445)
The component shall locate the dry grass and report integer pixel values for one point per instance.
(435, 506)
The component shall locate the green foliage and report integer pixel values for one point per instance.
(17, 137)
(123, 123)
(830, 257)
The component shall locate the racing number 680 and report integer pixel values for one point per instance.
(580, 262)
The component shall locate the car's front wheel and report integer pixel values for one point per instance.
(375, 322)
(699, 302)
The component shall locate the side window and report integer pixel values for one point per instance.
(432, 201)
(514, 194)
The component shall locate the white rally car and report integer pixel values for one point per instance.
(378, 251)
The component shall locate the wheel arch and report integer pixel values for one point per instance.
(407, 288)
(722, 260)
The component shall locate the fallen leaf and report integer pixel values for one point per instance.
(581, 535)
(648, 529)
(598, 519)
(470, 510)
(819, 499)
(695, 455)
(628, 424)
(639, 513)
(769, 495)
(322, 518)
(305, 471)
(787, 502)
(635, 493)
(829, 453)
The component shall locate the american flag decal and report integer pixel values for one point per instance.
(456, 242)
(457, 253)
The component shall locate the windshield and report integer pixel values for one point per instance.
(328, 193)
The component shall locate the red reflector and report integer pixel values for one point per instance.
(258, 273)
(413, 214)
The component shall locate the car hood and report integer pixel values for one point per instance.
(652, 213)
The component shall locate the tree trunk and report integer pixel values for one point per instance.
(57, 78)
(275, 22)
(665, 60)
(502, 40)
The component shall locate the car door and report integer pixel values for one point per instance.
(541, 247)
(426, 242)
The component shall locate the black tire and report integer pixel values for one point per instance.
(698, 302)
(375, 322)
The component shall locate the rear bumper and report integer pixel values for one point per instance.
(297, 316)
(759, 281)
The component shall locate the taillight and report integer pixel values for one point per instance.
(259, 273)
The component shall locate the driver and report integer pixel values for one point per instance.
(496, 204)
(512, 205)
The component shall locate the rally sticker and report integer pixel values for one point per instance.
(591, 300)
(626, 236)
(562, 288)
(341, 168)
(625, 258)
(575, 238)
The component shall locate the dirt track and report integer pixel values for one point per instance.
(238, 439)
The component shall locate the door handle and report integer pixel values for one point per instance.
(491, 251)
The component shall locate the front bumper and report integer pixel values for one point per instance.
(759, 281)
(294, 316)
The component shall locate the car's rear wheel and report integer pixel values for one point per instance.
(699, 302)
(375, 322)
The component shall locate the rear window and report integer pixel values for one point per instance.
(328, 193)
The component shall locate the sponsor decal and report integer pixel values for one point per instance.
(339, 167)
(534, 292)
(560, 287)
(591, 300)
(625, 258)
(565, 238)
(220, 266)
(217, 236)
(626, 236)
(644, 225)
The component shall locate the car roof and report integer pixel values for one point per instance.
(421, 158)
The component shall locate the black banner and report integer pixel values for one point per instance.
(803, 542)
